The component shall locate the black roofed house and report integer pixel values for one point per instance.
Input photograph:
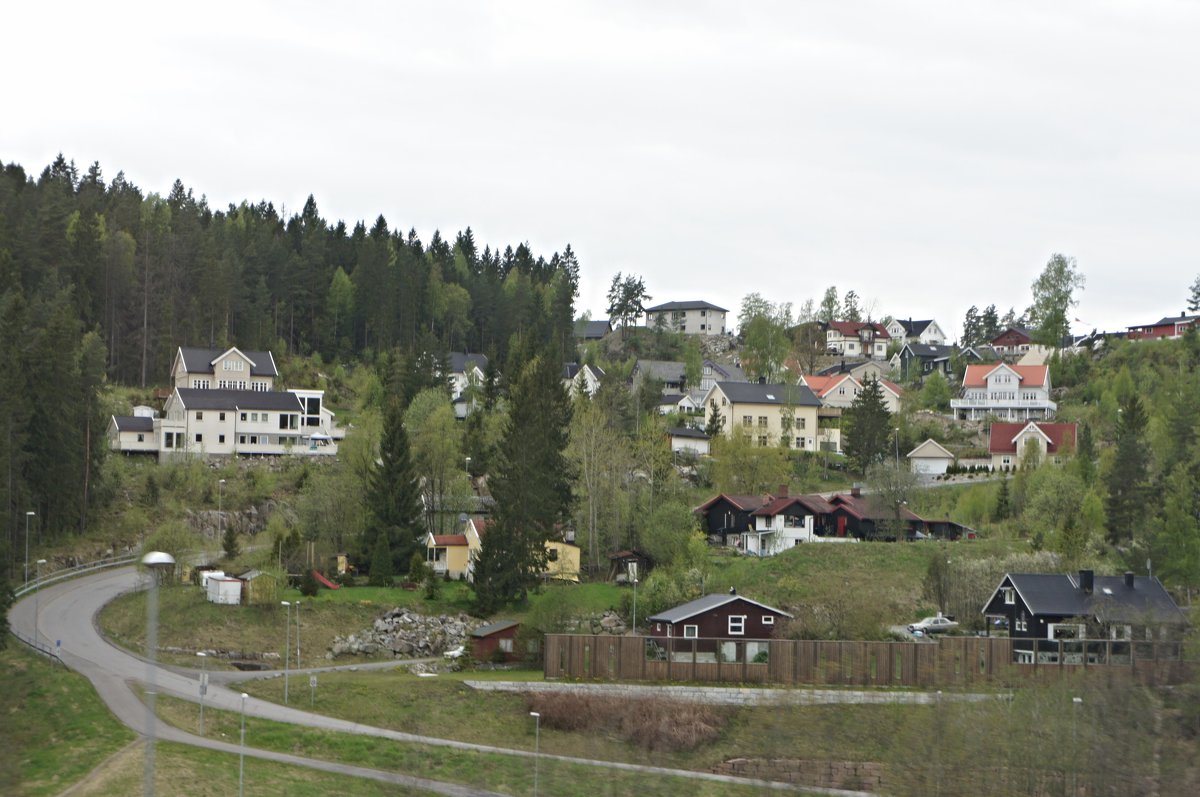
(627, 565)
(1052, 607)
(910, 331)
(223, 369)
(592, 329)
(919, 360)
(466, 371)
(725, 517)
(689, 317)
(685, 440)
(867, 518)
(786, 521)
(581, 378)
(133, 434)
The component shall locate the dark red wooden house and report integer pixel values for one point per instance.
(720, 616)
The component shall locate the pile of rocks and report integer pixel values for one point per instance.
(608, 623)
(406, 634)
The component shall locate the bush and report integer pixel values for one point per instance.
(651, 724)
(309, 585)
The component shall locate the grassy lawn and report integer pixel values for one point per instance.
(54, 727)
(502, 773)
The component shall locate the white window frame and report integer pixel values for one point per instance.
(738, 620)
(768, 619)
(691, 631)
(1010, 596)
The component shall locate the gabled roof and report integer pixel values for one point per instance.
(200, 361)
(1030, 375)
(824, 385)
(593, 330)
(194, 399)
(694, 434)
(666, 370)
(912, 328)
(984, 351)
(1111, 600)
(850, 328)
(929, 351)
(1002, 437)
(930, 449)
(863, 508)
(778, 395)
(460, 363)
(742, 502)
(706, 604)
(846, 366)
(449, 539)
(686, 305)
(133, 423)
(494, 628)
(779, 505)
(727, 371)
(1022, 332)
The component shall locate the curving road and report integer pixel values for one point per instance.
(67, 615)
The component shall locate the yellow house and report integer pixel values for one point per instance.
(767, 414)
(456, 553)
(562, 561)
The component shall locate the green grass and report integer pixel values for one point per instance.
(53, 727)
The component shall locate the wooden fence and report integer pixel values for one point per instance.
(945, 662)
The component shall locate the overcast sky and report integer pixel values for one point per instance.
(928, 155)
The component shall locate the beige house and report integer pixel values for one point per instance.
(930, 458)
(857, 339)
(229, 369)
(691, 317)
(767, 414)
(840, 390)
(1009, 443)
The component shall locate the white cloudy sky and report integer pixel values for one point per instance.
(929, 155)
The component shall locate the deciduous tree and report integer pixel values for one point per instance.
(1053, 296)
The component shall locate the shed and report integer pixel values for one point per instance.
(495, 641)
(628, 565)
(259, 588)
(224, 590)
(206, 573)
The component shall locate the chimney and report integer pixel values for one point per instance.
(733, 590)
(783, 491)
(856, 491)
(1129, 579)
(1086, 581)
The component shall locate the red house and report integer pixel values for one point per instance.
(1014, 340)
(722, 616)
(499, 636)
(1170, 327)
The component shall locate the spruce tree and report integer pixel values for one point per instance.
(1128, 478)
(382, 569)
(866, 427)
(716, 422)
(532, 486)
(393, 493)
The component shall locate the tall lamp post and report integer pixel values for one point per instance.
(37, 588)
(28, 515)
(203, 685)
(155, 562)
(287, 649)
(537, 734)
(242, 758)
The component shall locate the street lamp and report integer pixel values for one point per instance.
(242, 759)
(28, 515)
(37, 587)
(287, 649)
(203, 685)
(897, 448)
(297, 635)
(154, 561)
(1077, 702)
(537, 734)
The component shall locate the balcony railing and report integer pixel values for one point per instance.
(1004, 404)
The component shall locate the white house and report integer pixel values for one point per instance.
(1013, 392)
(466, 371)
(785, 522)
(688, 441)
(228, 369)
(930, 458)
(690, 317)
(908, 331)
(581, 379)
(857, 339)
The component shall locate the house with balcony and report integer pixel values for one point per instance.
(1013, 342)
(689, 317)
(223, 369)
(769, 415)
(925, 332)
(787, 521)
(1009, 392)
(857, 339)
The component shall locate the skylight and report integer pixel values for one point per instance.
(771, 396)
(1107, 591)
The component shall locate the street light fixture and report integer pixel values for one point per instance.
(242, 759)
(154, 561)
(287, 649)
(37, 588)
(28, 515)
(537, 734)
(203, 685)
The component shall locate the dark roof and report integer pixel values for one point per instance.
(571, 369)
(666, 370)
(689, 305)
(913, 328)
(494, 628)
(754, 393)
(593, 330)
(707, 603)
(843, 366)
(742, 502)
(865, 507)
(1175, 319)
(1059, 595)
(680, 431)
(194, 399)
(460, 363)
(813, 503)
(199, 361)
(133, 423)
(1022, 331)
(930, 351)
(728, 371)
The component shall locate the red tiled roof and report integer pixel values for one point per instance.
(1002, 435)
(976, 375)
(450, 539)
(821, 384)
(850, 328)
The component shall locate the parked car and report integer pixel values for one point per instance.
(933, 625)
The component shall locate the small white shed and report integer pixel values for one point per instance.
(224, 590)
(930, 458)
(205, 575)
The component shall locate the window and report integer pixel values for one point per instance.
(691, 631)
(1010, 596)
(168, 440)
(799, 442)
(504, 645)
(141, 438)
(737, 624)
(199, 437)
(254, 416)
(802, 423)
(243, 416)
(552, 555)
(242, 439)
(199, 416)
(1022, 623)
(747, 420)
(768, 619)
(221, 438)
(253, 439)
(702, 327)
(762, 421)
(1006, 460)
(762, 441)
(221, 416)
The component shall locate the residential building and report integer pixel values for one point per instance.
(854, 338)
(915, 361)
(858, 368)
(467, 371)
(837, 392)
(718, 616)
(870, 518)
(725, 517)
(592, 330)
(769, 415)
(785, 521)
(930, 458)
(693, 442)
(1012, 342)
(583, 379)
(1169, 327)
(495, 642)
(1009, 443)
(924, 332)
(687, 404)
(671, 373)
(720, 372)
(223, 369)
(455, 554)
(1054, 607)
(1014, 392)
(690, 317)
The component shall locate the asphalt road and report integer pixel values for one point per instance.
(67, 614)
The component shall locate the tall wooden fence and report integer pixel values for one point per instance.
(945, 662)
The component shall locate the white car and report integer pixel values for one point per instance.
(455, 652)
(933, 625)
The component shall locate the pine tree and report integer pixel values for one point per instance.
(382, 568)
(393, 493)
(866, 427)
(230, 544)
(1003, 509)
(1085, 455)
(532, 486)
(1128, 479)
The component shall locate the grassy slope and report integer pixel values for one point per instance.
(44, 712)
